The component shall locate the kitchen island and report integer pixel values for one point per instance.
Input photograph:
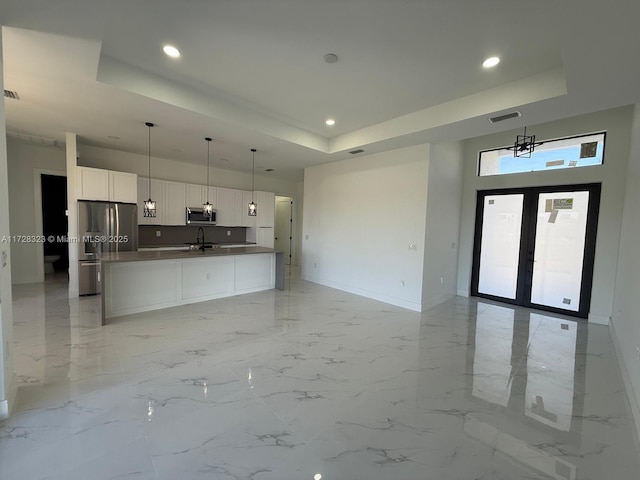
(134, 282)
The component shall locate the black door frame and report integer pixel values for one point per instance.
(527, 243)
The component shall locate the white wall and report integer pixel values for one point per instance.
(626, 319)
(360, 215)
(444, 192)
(7, 383)
(23, 160)
(617, 124)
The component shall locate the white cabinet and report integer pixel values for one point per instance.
(157, 194)
(238, 208)
(210, 195)
(106, 185)
(175, 213)
(265, 237)
(226, 215)
(266, 209)
(265, 219)
(197, 195)
(123, 187)
(194, 195)
(93, 183)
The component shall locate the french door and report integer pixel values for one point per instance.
(535, 247)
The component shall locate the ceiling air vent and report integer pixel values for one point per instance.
(353, 152)
(11, 94)
(506, 116)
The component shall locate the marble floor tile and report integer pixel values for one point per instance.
(312, 383)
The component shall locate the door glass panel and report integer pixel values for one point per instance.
(559, 249)
(501, 226)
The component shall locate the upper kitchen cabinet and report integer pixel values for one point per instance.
(198, 195)
(93, 184)
(226, 214)
(157, 193)
(123, 187)
(175, 205)
(106, 185)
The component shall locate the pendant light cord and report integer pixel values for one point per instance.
(208, 145)
(253, 172)
(149, 124)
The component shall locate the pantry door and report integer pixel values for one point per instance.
(535, 247)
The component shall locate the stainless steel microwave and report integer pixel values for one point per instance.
(196, 216)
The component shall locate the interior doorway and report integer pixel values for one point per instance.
(283, 238)
(54, 223)
(535, 247)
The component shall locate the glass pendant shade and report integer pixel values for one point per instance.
(207, 210)
(253, 207)
(149, 208)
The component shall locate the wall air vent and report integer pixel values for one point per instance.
(506, 116)
(11, 94)
(353, 152)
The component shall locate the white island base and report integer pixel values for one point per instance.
(139, 286)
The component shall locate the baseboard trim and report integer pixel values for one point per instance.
(7, 404)
(599, 319)
(633, 400)
(398, 302)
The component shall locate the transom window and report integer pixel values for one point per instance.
(573, 152)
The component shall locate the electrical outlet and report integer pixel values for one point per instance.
(402, 283)
(228, 233)
(441, 280)
(413, 246)
(158, 233)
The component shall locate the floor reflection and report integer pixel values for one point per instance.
(532, 367)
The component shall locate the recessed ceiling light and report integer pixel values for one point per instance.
(491, 62)
(331, 58)
(330, 122)
(171, 51)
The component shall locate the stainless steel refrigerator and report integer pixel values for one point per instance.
(103, 227)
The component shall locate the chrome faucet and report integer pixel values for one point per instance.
(198, 240)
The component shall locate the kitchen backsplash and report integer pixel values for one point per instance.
(179, 235)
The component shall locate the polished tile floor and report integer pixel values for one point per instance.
(312, 383)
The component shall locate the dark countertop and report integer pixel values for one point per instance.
(116, 257)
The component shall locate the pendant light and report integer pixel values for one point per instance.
(524, 145)
(207, 208)
(253, 208)
(149, 205)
